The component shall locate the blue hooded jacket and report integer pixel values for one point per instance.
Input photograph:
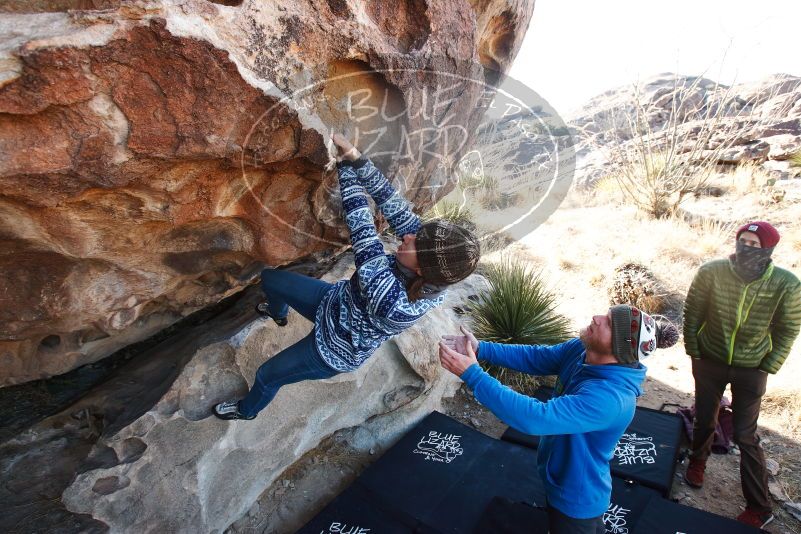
(593, 406)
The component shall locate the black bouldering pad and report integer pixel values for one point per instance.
(646, 453)
(426, 464)
(443, 474)
(648, 450)
(352, 512)
(444, 477)
(504, 516)
(667, 517)
(628, 504)
(504, 470)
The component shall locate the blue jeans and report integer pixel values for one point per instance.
(284, 289)
(300, 361)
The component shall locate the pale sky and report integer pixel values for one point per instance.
(576, 49)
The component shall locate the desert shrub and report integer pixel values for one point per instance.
(495, 241)
(637, 285)
(517, 308)
(661, 156)
(795, 159)
(491, 197)
(454, 212)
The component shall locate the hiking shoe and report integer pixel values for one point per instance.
(263, 309)
(229, 411)
(694, 476)
(755, 518)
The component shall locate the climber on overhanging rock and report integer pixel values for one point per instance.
(386, 295)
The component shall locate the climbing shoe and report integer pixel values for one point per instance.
(263, 309)
(230, 410)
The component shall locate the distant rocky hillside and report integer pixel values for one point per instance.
(763, 119)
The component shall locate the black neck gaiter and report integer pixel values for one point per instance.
(430, 291)
(751, 262)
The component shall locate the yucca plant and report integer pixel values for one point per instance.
(492, 198)
(517, 308)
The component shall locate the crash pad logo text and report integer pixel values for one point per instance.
(343, 528)
(439, 447)
(634, 449)
(615, 519)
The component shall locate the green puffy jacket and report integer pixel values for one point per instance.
(742, 324)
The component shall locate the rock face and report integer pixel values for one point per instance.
(171, 467)
(153, 155)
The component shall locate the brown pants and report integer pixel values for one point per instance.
(747, 387)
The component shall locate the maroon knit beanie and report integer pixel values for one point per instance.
(768, 235)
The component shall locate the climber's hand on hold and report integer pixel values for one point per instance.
(345, 149)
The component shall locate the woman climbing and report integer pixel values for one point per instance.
(386, 295)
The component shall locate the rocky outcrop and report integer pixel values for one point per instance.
(146, 455)
(758, 122)
(154, 154)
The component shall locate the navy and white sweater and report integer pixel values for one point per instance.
(356, 316)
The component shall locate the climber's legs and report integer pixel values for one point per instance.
(284, 289)
(294, 364)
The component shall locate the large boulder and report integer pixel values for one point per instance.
(143, 453)
(199, 474)
(154, 154)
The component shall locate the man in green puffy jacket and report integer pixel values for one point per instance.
(741, 317)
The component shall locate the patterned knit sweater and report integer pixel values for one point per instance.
(356, 316)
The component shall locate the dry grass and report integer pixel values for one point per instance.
(781, 410)
(693, 242)
(743, 179)
(597, 279)
(567, 265)
(606, 191)
(795, 159)
(677, 239)
(789, 249)
(659, 163)
(784, 405)
(752, 179)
